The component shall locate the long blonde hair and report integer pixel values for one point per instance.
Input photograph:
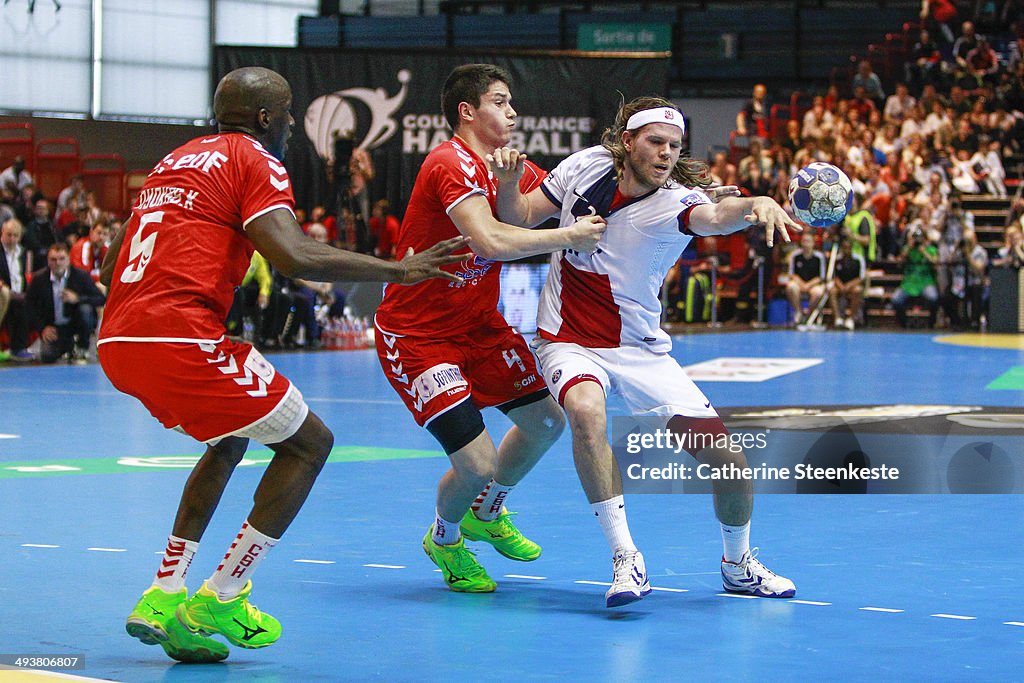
(687, 172)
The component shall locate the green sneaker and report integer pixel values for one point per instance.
(153, 622)
(502, 534)
(4, 356)
(237, 620)
(461, 571)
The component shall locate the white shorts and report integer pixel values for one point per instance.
(650, 383)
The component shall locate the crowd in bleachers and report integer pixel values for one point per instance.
(948, 130)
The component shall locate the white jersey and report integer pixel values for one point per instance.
(610, 298)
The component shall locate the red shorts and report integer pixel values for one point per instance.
(208, 391)
(491, 365)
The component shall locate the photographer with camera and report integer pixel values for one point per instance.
(967, 297)
(351, 174)
(919, 258)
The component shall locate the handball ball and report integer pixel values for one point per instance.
(820, 194)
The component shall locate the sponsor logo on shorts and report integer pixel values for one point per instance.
(555, 376)
(444, 379)
(523, 383)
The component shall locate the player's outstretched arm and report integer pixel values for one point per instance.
(733, 214)
(499, 241)
(279, 238)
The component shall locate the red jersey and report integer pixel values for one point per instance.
(86, 257)
(185, 248)
(451, 173)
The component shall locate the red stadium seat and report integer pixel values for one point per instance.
(133, 182)
(103, 174)
(57, 160)
(18, 139)
(739, 145)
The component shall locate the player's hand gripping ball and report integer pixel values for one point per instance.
(820, 195)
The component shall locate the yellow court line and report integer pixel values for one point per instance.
(985, 341)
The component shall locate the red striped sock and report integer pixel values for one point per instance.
(170, 576)
(240, 561)
(488, 504)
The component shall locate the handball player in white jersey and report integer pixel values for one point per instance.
(599, 320)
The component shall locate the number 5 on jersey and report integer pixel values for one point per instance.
(140, 250)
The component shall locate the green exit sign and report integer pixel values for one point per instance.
(624, 37)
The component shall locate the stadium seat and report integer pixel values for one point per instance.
(57, 159)
(18, 139)
(104, 175)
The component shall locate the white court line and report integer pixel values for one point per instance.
(109, 550)
(880, 609)
(954, 616)
(738, 595)
(594, 583)
(524, 576)
(670, 590)
(811, 602)
(38, 545)
(316, 561)
(385, 566)
(1014, 623)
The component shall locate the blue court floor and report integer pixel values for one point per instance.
(890, 587)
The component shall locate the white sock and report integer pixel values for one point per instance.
(445, 532)
(611, 515)
(178, 554)
(249, 548)
(736, 540)
(488, 504)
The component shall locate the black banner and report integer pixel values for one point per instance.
(390, 104)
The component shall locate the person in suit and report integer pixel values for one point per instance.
(61, 301)
(15, 266)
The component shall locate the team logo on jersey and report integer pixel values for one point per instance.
(332, 115)
(582, 206)
(472, 269)
(555, 376)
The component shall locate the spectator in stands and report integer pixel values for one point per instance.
(867, 79)
(862, 104)
(925, 65)
(1011, 254)
(15, 177)
(982, 63)
(958, 101)
(88, 252)
(756, 156)
(964, 139)
(316, 302)
(898, 104)
(319, 215)
(61, 301)
(25, 201)
(39, 231)
(361, 172)
(806, 277)
(752, 120)
(73, 193)
(384, 229)
(846, 291)
(919, 258)
(967, 172)
(967, 41)
(993, 159)
(15, 269)
(818, 121)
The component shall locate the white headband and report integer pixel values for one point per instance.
(660, 115)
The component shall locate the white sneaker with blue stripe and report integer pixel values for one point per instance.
(630, 582)
(750, 577)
